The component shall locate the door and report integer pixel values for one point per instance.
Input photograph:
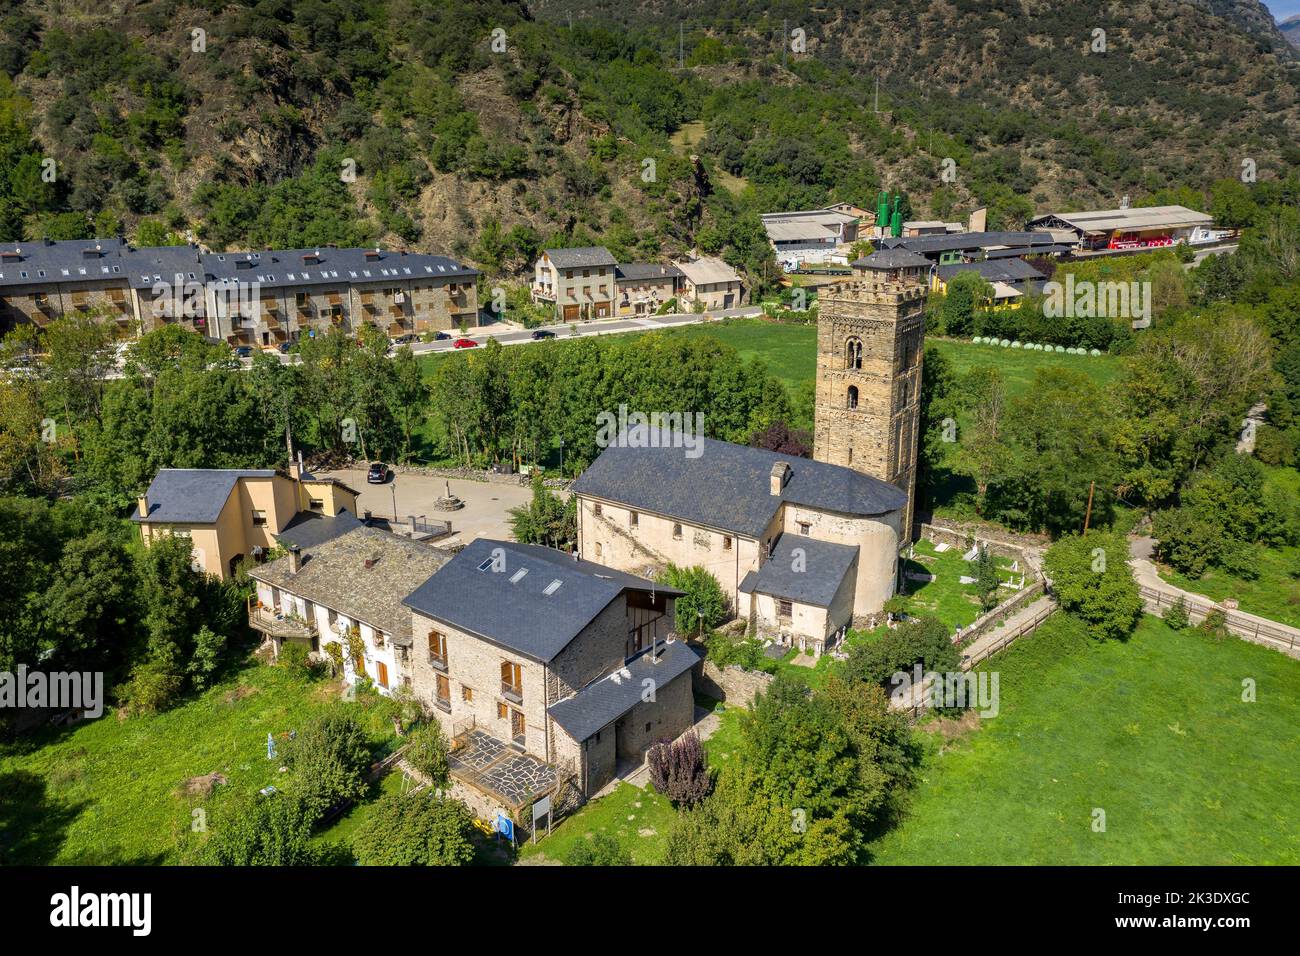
(381, 673)
(727, 300)
(517, 726)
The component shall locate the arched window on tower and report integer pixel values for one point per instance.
(853, 353)
(853, 397)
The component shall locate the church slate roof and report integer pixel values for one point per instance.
(726, 486)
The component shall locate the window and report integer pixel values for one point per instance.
(632, 519)
(438, 649)
(805, 527)
(316, 504)
(596, 509)
(853, 397)
(853, 353)
(379, 641)
(467, 694)
(502, 711)
(726, 542)
(512, 681)
(381, 673)
(784, 610)
(302, 299)
(677, 531)
(599, 550)
(406, 685)
(331, 617)
(259, 518)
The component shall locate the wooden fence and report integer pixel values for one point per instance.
(1250, 629)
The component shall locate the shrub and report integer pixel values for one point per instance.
(703, 606)
(427, 752)
(328, 760)
(293, 657)
(599, 849)
(1215, 623)
(416, 829)
(274, 830)
(921, 640)
(680, 770)
(1176, 615)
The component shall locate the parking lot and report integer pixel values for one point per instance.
(485, 514)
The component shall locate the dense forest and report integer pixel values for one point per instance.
(487, 128)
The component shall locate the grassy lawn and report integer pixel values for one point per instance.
(111, 791)
(790, 351)
(1153, 731)
(946, 598)
(1275, 594)
(1018, 366)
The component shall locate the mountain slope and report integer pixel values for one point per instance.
(412, 122)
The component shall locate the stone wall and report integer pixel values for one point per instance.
(732, 684)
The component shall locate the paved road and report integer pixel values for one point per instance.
(613, 326)
(510, 334)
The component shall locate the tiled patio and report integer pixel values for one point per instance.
(490, 765)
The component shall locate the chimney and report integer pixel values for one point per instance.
(365, 516)
(295, 559)
(780, 475)
(143, 503)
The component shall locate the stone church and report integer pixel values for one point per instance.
(803, 548)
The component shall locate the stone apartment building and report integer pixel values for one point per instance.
(258, 299)
(561, 661)
(229, 514)
(643, 287)
(578, 283)
(44, 280)
(347, 589)
(709, 283)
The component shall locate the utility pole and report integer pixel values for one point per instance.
(1088, 514)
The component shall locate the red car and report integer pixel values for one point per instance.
(464, 344)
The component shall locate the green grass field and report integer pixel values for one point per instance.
(946, 598)
(1153, 732)
(111, 790)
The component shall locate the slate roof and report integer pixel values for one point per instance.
(580, 256)
(511, 607)
(994, 270)
(891, 259)
(193, 495)
(958, 241)
(308, 529)
(334, 575)
(822, 565)
(46, 261)
(727, 486)
(600, 703)
(279, 268)
(639, 271)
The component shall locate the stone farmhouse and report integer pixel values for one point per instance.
(578, 284)
(233, 514)
(347, 590)
(259, 299)
(568, 662)
(645, 286)
(803, 548)
(709, 283)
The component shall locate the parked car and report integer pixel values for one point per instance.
(543, 334)
(378, 473)
(440, 336)
(244, 351)
(464, 344)
(406, 339)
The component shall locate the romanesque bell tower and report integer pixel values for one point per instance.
(870, 344)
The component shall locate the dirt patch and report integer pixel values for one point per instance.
(202, 786)
(954, 728)
(238, 694)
